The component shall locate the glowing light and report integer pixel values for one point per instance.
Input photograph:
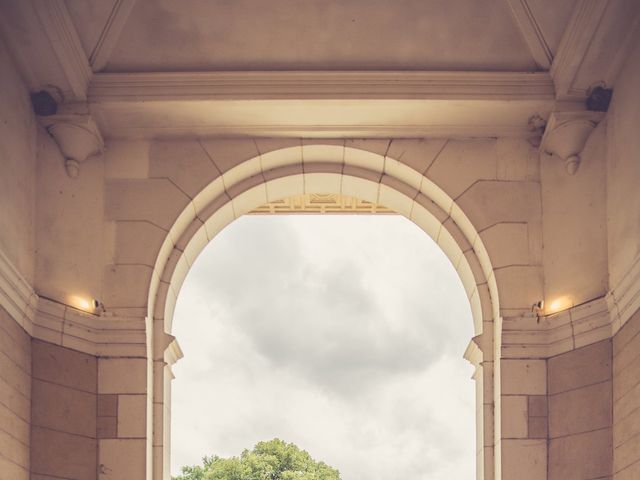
(81, 303)
(559, 304)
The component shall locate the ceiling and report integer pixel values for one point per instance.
(201, 35)
(319, 67)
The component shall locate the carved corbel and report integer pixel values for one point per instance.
(76, 134)
(566, 135)
(172, 352)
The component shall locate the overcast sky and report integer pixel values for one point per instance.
(342, 334)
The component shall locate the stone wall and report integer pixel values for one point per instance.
(626, 401)
(623, 172)
(18, 170)
(579, 386)
(63, 413)
(15, 399)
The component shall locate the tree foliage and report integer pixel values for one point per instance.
(272, 460)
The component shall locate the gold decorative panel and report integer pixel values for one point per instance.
(315, 203)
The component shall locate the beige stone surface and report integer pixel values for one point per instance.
(524, 459)
(132, 416)
(575, 251)
(62, 454)
(580, 410)
(186, 163)
(126, 285)
(72, 238)
(122, 458)
(379, 146)
(419, 154)
(513, 252)
(244, 31)
(228, 153)
(523, 377)
(137, 242)
(156, 200)
(514, 417)
(64, 367)
(181, 162)
(488, 202)
(584, 366)
(107, 427)
(18, 181)
(122, 375)
(285, 152)
(64, 409)
(12, 470)
(127, 159)
(623, 233)
(472, 161)
(517, 160)
(538, 406)
(15, 399)
(626, 405)
(538, 427)
(521, 286)
(107, 405)
(586, 455)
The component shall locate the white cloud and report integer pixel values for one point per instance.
(341, 334)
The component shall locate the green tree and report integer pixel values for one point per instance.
(272, 460)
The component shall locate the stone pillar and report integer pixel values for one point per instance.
(483, 375)
(166, 354)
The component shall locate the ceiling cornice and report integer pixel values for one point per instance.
(531, 32)
(110, 34)
(63, 37)
(322, 131)
(296, 85)
(574, 46)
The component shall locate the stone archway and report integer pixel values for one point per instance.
(322, 169)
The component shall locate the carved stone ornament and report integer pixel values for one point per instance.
(566, 135)
(77, 136)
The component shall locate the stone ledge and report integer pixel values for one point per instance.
(546, 336)
(16, 295)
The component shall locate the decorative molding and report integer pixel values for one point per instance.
(550, 335)
(173, 352)
(321, 131)
(624, 297)
(110, 34)
(574, 45)
(566, 135)
(103, 335)
(532, 33)
(314, 203)
(57, 24)
(53, 322)
(590, 322)
(16, 295)
(76, 134)
(296, 85)
(473, 353)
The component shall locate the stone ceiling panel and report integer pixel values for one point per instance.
(196, 35)
(90, 18)
(552, 21)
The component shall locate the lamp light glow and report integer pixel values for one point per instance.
(81, 303)
(559, 304)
